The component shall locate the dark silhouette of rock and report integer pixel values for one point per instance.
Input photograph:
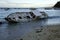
(0, 22)
(33, 8)
(57, 5)
(6, 9)
(21, 39)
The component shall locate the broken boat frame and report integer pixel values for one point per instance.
(25, 16)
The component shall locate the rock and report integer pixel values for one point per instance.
(21, 39)
(6, 9)
(32, 8)
(39, 30)
(57, 5)
(0, 22)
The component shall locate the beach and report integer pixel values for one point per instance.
(44, 29)
(49, 32)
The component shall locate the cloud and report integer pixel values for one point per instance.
(27, 3)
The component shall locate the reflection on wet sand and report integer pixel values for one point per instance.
(15, 31)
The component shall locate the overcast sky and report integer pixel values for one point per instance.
(27, 3)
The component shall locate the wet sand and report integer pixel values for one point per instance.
(45, 29)
(49, 32)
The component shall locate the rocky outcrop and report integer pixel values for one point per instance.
(57, 5)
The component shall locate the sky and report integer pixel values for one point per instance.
(27, 3)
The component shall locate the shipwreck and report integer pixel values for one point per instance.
(25, 16)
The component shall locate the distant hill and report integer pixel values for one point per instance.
(57, 5)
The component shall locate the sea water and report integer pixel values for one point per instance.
(16, 30)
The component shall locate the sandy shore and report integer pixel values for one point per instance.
(51, 32)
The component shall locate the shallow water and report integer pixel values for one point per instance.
(51, 12)
(14, 31)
